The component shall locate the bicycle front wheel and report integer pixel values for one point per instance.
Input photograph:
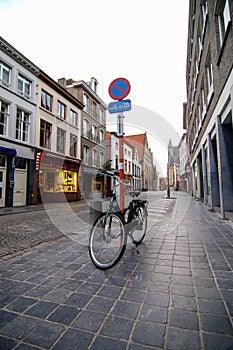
(107, 241)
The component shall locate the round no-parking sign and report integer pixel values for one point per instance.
(119, 88)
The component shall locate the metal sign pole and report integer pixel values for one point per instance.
(118, 90)
(120, 131)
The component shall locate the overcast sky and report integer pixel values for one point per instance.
(142, 41)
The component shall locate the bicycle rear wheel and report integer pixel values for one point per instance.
(140, 215)
(107, 241)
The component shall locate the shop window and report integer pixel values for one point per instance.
(2, 161)
(58, 181)
(96, 186)
(21, 163)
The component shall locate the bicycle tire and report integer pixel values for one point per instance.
(107, 240)
(140, 213)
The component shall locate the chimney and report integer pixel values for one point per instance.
(93, 84)
(62, 82)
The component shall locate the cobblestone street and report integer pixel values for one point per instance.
(176, 294)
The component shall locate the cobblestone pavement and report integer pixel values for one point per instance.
(176, 294)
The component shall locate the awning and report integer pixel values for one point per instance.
(8, 151)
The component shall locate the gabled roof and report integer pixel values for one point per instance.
(138, 140)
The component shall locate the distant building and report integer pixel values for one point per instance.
(209, 106)
(145, 159)
(184, 165)
(173, 165)
(132, 166)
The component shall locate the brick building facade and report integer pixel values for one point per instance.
(208, 110)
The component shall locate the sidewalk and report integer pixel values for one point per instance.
(176, 294)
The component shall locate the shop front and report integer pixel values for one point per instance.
(57, 178)
(92, 183)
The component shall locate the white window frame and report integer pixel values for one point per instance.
(94, 133)
(224, 17)
(3, 68)
(94, 158)
(101, 136)
(61, 140)
(73, 118)
(22, 126)
(4, 120)
(61, 110)
(85, 154)
(24, 86)
(94, 109)
(101, 159)
(85, 131)
(73, 145)
(86, 102)
(209, 77)
(46, 100)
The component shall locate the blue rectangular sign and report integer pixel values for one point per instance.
(119, 106)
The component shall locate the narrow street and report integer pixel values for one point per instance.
(176, 294)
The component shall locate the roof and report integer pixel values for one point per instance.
(138, 140)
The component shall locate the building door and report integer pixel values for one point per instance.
(2, 187)
(20, 188)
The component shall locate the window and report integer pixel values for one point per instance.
(204, 11)
(126, 164)
(73, 145)
(116, 161)
(45, 134)
(46, 101)
(94, 133)
(24, 86)
(85, 154)
(94, 157)
(101, 159)
(22, 125)
(86, 103)
(61, 140)
(129, 167)
(5, 74)
(116, 145)
(224, 17)
(85, 128)
(209, 76)
(101, 136)
(73, 118)
(101, 115)
(94, 110)
(4, 116)
(61, 108)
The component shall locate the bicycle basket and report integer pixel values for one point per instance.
(127, 188)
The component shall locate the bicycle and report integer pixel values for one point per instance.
(108, 235)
